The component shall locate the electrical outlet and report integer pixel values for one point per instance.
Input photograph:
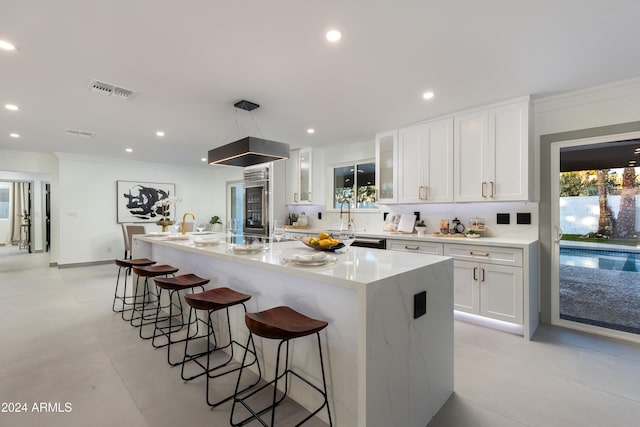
(419, 304)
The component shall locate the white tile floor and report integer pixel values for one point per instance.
(60, 342)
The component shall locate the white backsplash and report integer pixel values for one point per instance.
(432, 214)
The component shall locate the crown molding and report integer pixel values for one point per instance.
(620, 89)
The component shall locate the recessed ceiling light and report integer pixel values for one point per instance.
(14, 135)
(334, 35)
(311, 131)
(160, 133)
(428, 95)
(11, 107)
(204, 159)
(129, 150)
(6, 45)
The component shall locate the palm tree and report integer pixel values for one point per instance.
(605, 223)
(626, 222)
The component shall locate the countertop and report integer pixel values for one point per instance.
(485, 241)
(353, 268)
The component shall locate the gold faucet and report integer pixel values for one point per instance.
(184, 219)
(342, 202)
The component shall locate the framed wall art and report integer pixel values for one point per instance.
(135, 199)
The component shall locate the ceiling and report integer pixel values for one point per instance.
(189, 62)
(606, 155)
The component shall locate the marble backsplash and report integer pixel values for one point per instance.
(373, 222)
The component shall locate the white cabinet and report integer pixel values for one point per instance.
(425, 162)
(386, 167)
(304, 180)
(488, 281)
(491, 154)
(430, 248)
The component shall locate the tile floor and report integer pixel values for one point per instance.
(61, 343)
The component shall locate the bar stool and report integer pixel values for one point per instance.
(174, 285)
(284, 324)
(211, 301)
(147, 272)
(127, 265)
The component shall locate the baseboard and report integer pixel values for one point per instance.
(83, 264)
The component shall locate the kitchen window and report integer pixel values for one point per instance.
(355, 184)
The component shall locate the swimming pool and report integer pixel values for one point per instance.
(601, 259)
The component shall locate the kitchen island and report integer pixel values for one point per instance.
(384, 367)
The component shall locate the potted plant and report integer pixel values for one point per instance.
(421, 227)
(215, 223)
(473, 234)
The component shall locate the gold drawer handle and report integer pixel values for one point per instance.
(412, 248)
(479, 254)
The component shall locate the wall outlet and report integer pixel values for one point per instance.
(419, 304)
(503, 218)
(523, 218)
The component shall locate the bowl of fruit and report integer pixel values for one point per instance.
(323, 242)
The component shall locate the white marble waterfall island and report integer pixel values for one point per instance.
(384, 367)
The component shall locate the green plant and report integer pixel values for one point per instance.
(215, 220)
(420, 224)
(472, 232)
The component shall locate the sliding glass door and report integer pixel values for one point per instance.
(596, 251)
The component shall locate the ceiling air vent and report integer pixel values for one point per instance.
(82, 133)
(111, 90)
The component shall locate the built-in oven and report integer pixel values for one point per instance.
(256, 201)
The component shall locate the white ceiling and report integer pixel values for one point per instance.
(190, 61)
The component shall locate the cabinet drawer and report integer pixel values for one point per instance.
(488, 254)
(412, 246)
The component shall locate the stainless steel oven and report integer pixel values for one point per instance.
(256, 201)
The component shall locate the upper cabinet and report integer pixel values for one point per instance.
(304, 183)
(491, 154)
(386, 167)
(425, 162)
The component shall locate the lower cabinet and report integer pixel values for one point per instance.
(415, 246)
(489, 290)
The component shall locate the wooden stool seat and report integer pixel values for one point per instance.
(282, 323)
(216, 299)
(178, 283)
(138, 262)
(154, 270)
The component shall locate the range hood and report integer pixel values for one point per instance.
(248, 151)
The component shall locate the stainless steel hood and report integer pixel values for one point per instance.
(248, 151)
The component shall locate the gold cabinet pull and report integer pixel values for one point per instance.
(475, 273)
(426, 192)
(492, 188)
(309, 196)
(486, 254)
(295, 197)
(483, 184)
(420, 193)
(412, 248)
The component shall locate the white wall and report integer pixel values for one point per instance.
(88, 216)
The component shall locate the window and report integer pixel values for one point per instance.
(358, 176)
(4, 203)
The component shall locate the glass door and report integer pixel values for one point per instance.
(596, 251)
(235, 204)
